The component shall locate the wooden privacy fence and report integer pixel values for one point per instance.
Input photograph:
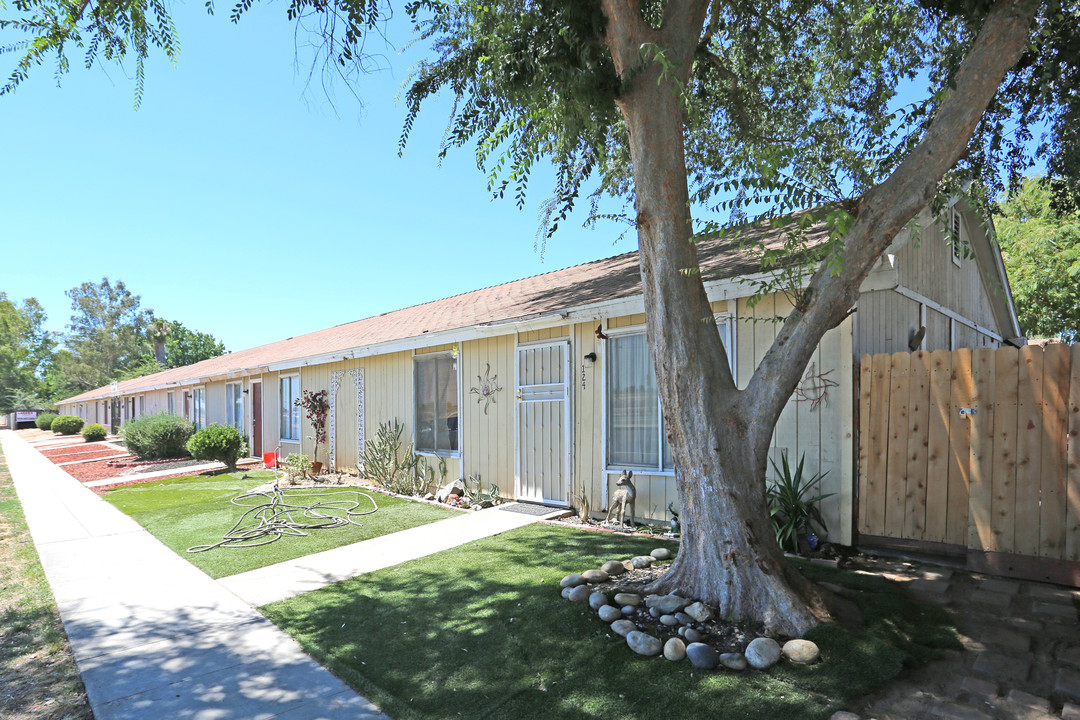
(976, 452)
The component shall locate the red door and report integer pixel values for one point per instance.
(256, 420)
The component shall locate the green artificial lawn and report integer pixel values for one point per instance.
(480, 631)
(189, 511)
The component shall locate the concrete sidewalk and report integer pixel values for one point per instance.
(286, 579)
(153, 636)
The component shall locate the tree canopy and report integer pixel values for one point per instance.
(1041, 249)
(25, 349)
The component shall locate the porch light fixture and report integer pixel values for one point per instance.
(590, 358)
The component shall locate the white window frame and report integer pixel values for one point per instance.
(425, 357)
(170, 402)
(198, 409)
(231, 418)
(726, 325)
(295, 378)
(142, 405)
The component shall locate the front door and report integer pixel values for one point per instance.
(256, 419)
(543, 402)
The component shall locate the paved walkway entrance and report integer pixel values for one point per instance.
(154, 637)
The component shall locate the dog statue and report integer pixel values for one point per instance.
(624, 495)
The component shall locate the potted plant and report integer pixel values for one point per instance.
(316, 407)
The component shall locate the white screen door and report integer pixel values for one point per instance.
(543, 375)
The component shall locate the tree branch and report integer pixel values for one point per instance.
(890, 205)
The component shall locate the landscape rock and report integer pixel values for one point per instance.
(579, 593)
(699, 611)
(628, 599)
(733, 661)
(613, 567)
(628, 565)
(669, 620)
(661, 554)
(597, 600)
(844, 715)
(666, 604)
(572, 581)
(566, 591)
(762, 653)
(693, 635)
(674, 649)
(451, 488)
(643, 643)
(803, 652)
(623, 627)
(628, 610)
(702, 656)
(609, 613)
(595, 576)
(684, 619)
(641, 561)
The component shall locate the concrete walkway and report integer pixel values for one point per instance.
(284, 580)
(153, 636)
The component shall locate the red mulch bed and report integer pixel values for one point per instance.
(93, 451)
(81, 447)
(105, 468)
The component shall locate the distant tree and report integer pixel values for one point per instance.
(185, 347)
(1041, 249)
(25, 348)
(106, 336)
(159, 332)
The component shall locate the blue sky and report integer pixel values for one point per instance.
(242, 206)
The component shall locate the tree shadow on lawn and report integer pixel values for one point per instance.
(481, 631)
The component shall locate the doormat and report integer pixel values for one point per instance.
(529, 509)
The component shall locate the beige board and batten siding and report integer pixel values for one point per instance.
(888, 319)
(817, 423)
(927, 268)
(487, 422)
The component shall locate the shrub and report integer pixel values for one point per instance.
(793, 511)
(67, 424)
(218, 442)
(155, 437)
(94, 433)
(44, 420)
(297, 466)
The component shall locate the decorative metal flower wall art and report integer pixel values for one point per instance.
(486, 387)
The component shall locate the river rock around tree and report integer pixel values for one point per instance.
(671, 625)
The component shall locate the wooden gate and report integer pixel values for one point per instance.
(975, 452)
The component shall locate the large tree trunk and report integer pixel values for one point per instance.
(719, 435)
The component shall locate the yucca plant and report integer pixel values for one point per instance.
(791, 508)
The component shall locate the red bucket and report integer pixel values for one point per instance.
(269, 460)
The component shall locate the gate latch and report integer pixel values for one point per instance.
(967, 411)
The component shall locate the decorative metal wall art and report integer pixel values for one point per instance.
(358, 380)
(814, 387)
(486, 387)
(335, 383)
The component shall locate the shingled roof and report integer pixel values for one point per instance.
(612, 278)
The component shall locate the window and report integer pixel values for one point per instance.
(956, 236)
(142, 405)
(436, 404)
(289, 410)
(234, 405)
(635, 423)
(170, 403)
(198, 417)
